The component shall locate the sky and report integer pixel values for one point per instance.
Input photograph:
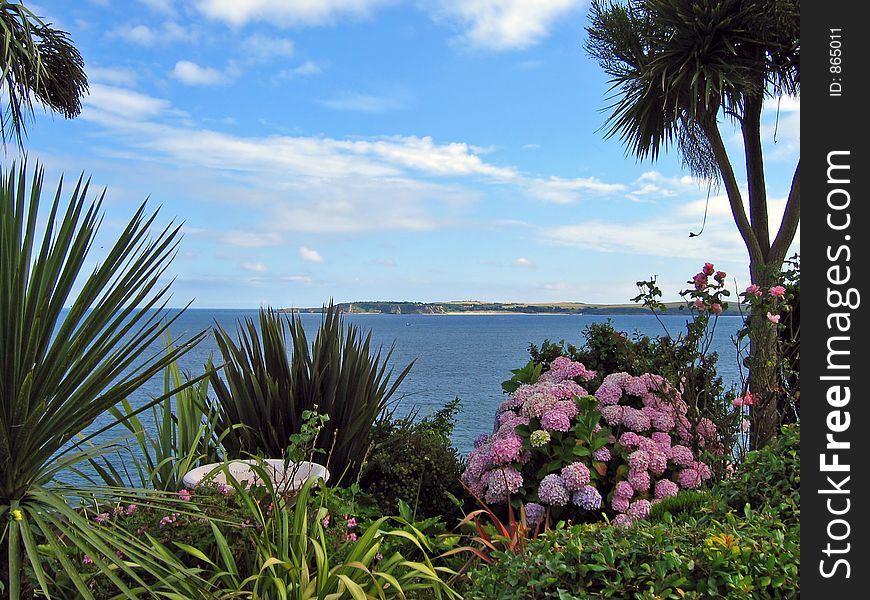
(383, 150)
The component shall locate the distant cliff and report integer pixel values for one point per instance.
(476, 307)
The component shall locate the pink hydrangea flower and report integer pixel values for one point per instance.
(553, 490)
(638, 460)
(623, 490)
(575, 476)
(639, 509)
(639, 480)
(602, 454)
(623, 520)
(556, 420)
(506, 449)
(689, 479)
(620, 503)
(665, 488)
(680, 455)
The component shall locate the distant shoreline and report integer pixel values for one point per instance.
(493, 308)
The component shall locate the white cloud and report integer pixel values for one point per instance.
(255, 267)
(522, 262)
(264, 47)
(113, 75)
(310, 255)
(124, 103)
(353, 101)
(136, 34)
(297, 278)
(566, 191)
(166, 7)
(309, 67)
(283, 13)
(143, 35)
(505, 24)
(190, 73)
(252, 239)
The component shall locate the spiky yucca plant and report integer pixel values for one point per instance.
(61, 368)
(265, 387)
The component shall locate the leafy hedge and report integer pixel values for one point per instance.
(753, 555)
(769, 478)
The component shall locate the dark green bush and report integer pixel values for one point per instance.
(413, 461)
(769, 478)
(751, 556)
(266, 386)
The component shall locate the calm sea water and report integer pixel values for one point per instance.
(465, 356)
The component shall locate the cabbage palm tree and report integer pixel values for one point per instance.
(679, 69)
(73, 342)
(38, 62)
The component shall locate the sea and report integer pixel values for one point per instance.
(465, 356)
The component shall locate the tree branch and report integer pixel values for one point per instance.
(735, 199)
(751, 128)
(791, 218)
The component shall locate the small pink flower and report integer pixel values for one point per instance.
(351, 523)
(699, 304)
(720, 276)
(185, 495)
(325, 520)
(773, 318)
(224, 489)
(87, 560)
(754, 290)
(716, 308)
(738, 401)
(102, 518)
(131, 509)
(351, 537)
(744, 425)
(748, 399)
(709, 269)
(777, 291)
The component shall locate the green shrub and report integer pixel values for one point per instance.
(266, 387)
(413, 461)
(685, 505)
(735, 557)
(769, 478)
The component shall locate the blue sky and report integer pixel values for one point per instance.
(382, 150)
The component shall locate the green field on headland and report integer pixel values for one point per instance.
(477, 307)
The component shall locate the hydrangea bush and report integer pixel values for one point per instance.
(559, 450)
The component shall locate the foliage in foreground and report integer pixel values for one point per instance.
(258, 543)
(62, 368)
(266, 386)
(752, 555)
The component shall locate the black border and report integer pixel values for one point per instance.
(829, 123)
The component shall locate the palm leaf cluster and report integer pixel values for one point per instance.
(38, 62)
(266, 386)
(675, 64)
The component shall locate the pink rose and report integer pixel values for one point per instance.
(744, 425)
(738, 401)
(773, 318)
(754, 290)
(748, 399)
(709, 269)
(720, 276)
(778, 291)
(716, 308)
(699, 304)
